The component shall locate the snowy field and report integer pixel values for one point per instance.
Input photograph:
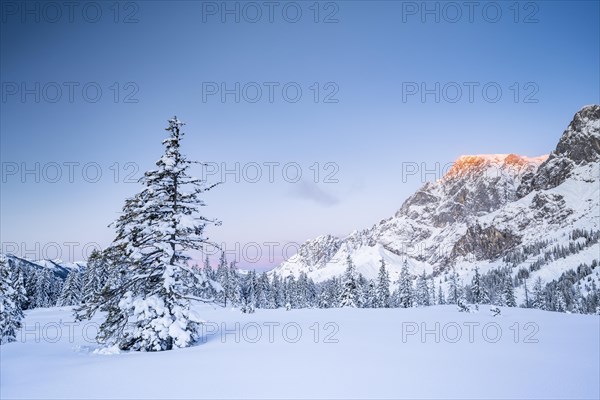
(324, 353)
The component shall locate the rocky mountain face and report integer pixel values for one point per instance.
(475, 185)
(486, 211)
(579, 145)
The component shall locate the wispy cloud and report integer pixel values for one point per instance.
(314, 192)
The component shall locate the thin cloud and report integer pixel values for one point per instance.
(312, 191)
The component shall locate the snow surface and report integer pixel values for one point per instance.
(359, 353)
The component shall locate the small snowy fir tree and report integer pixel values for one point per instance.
(329, 296)
(462, 303)
(222, 276)
(349, 295)
(249, 295)
(301, 292)
(208, 288)
(432, 292)
(56, 285)
(233, 285)
(539, 300)
(422, 291)
(11, 314)
(277, 291)
(289, 289)
(43, 288)
(527, 303)
(18, 284)
(362, 286)
(383, 286)
(476, 288)
(71, 290)
(441, 298)
(208, 271)
(578, 301)
(264, 297)
(150, 310)
(454, 289)
(95, 277)
(405, 291)
(508, 292)
(561, 303)
(370, 298)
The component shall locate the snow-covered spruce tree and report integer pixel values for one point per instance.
(361, 290)
(476, 288)
(249, 292)
(207, 288)
(561, 303)
(462, 302)
(257, 290)
(383, 286)
(56, 285)
(234, 286)
(30, 286)
(329, 296)
(405, 290)
(422, 291)
(454, 289)
(208, 271)
(441, 298)
(11, 314)
(18, 284)
(71, 290)
(579, 301)
(289, 291)
(432, 292)
(394, 296)
(222, 276)
(150, 310)
(370, 295)
(277, 291)
(593, 299)
(116, 267)
(527, 303)
(508, 292)
(296, 293)
(264, 298)
(349, 294)
(95, 276)
(312, 293)
(299, 291)
(43, 289)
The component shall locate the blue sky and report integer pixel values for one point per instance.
(361, 125)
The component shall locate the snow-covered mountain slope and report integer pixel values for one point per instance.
(60, 268)
(487, 211)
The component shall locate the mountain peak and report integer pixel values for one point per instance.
(491, 165)
(591, 111)
(479, 215)
(579, 145)
(581, 141)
